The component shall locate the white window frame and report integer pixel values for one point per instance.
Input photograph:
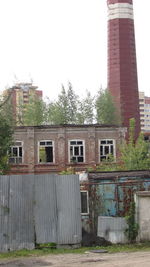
(17, 146)
(45, 146)
(87, 193)
(114, 147)
(83, 144)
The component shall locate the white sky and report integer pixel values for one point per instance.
(56, 41)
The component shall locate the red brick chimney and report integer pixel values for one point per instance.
(122, 66)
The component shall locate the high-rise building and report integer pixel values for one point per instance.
(144, 104)
(19, 96)
(122, 66)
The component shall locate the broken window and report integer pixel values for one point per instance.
(84, 202)
(76, 151)
(107, 149)
(15, 153)
(46, 151)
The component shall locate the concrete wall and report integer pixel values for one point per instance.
(142, 200)
(112, 229)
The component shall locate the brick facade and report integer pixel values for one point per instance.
(119, 1)
(122, 66)
(61, 136)
(20, 94)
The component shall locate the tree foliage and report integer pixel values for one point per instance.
(86, 109)
(72, 100)
(64, 109)
(6, 131)
(68, 108)
(106, 112)
(58, 110)
(135, 154)
(34, 112)
(6, 109)
(132, 230)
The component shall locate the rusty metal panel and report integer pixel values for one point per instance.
(115, 195)
(4, 213)
(45, 208)
(106, 194)
(21, 220)
(125, 195)
(69, 209)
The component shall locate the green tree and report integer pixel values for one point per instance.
(64, 109)
(6, 131)
(72, 99)
(85, 113)
(135, 154)
(106, 112)
(132, 230)
(80, 116)
(63, 106)
(34, 113)
(58, 110)
(6, 109)
(88, 108)
(55, 114)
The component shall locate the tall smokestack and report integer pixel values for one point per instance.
(122, 66)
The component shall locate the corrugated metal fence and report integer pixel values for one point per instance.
(39, 208)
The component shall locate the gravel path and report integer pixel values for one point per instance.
(136, 259)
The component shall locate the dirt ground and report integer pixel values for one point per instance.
(136, 259)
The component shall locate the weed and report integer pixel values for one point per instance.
(46, 251)
(132, 230)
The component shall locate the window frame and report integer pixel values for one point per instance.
(114, 147)
(53, 149)
(17, 146)
(87, 200)
(69, 145)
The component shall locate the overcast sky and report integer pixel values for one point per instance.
(56, 41)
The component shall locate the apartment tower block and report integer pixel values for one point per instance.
(20, 94)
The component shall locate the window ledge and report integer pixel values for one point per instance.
(46, 164)
(77, 163)
(18, 164)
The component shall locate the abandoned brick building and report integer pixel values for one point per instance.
(44, 149)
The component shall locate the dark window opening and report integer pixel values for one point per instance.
(80, 159)
(15, 153)
(46, 152)
(84, 202)
(106, 149)
(76, 151)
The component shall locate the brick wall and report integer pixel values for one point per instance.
(122, 65)
(60, 135)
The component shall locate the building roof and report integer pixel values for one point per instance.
(71, 125)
